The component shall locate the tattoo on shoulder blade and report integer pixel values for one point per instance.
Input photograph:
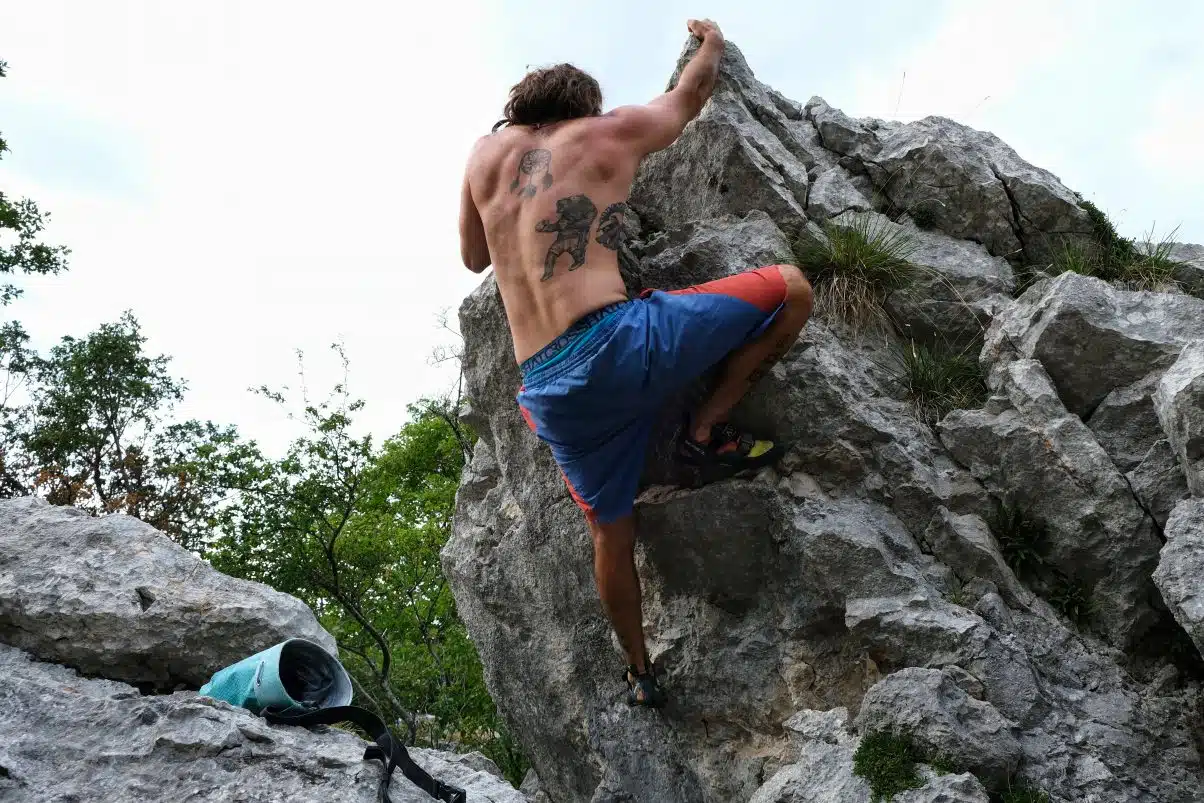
(532, 164)
(574, 218)
(618, 226)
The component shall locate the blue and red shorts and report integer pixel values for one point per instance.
(595, 392)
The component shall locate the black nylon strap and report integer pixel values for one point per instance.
(387, 749)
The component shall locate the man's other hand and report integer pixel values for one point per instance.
(704, 28)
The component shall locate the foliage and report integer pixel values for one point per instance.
(1108, 256)
(21, 223)
(943, 765)
(90, 430)
(856, 267)
(888, 763)
(924, 216)
(940, 380)
(1072, 598)
(1022, 539)
(356, 532)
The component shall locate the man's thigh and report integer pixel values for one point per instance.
(692, 329)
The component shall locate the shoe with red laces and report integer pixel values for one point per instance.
(728, 448)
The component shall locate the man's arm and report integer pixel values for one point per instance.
(655, 126)
(474, 249)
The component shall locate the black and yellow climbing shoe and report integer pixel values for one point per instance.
(642, 689)
(728, 448)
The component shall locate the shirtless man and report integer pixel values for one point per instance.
(544, 201)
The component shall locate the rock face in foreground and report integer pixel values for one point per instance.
(858, 585)
(63, 737)
(116, 598)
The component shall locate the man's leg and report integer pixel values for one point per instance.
(750, 362)
(619, 585)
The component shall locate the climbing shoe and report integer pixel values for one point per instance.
(728, 448)
(642, 689)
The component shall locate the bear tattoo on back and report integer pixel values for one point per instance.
(574, 218)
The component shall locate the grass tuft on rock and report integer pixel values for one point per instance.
(888, 763)
(1022, 539)
(1108, 256)
(856, 266)
(1023, 794)
(939, 380)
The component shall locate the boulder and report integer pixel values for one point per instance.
(1179, 401)
(1030, 451)
(65, 737)
(1092, 338)
(862, 553)
(822, 769)
(1158, 482)
(834, 193)
(1181, 567)
(1125, 422)
(963, 788)
(976, 186)
(727, 161)
(113, 597)
(943, 721)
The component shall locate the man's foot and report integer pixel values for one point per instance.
(642, 689)
(728, 448)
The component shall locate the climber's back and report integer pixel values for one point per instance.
(544, 198)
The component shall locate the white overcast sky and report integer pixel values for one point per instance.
(250, 177)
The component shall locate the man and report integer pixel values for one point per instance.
(545, 201)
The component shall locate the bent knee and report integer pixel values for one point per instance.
(798, 289)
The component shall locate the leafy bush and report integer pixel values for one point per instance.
(1022, 539)
(856, 266)
(940, 380)
(888, 764)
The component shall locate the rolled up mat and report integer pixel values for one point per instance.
(294, 675)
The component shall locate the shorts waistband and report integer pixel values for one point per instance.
(582, 326)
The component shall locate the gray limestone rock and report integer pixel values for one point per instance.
(822, 767)
(834, 192)
(1092, 338)
(977, 187)
(727, 161)
(1158, 481)
(64, 737)
(966, 545)
(1029, 451)
(1179, 401)
(1181, 567)
(114, 597)
(1125, 422)
(799, 587)
(943, 720)
(964, 788)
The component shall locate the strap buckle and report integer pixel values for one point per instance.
(450, 794)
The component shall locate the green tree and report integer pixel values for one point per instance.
(20, 253)
(20, 224)
(356, 531)
(97, 433)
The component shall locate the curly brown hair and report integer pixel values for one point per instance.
(550, 95)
